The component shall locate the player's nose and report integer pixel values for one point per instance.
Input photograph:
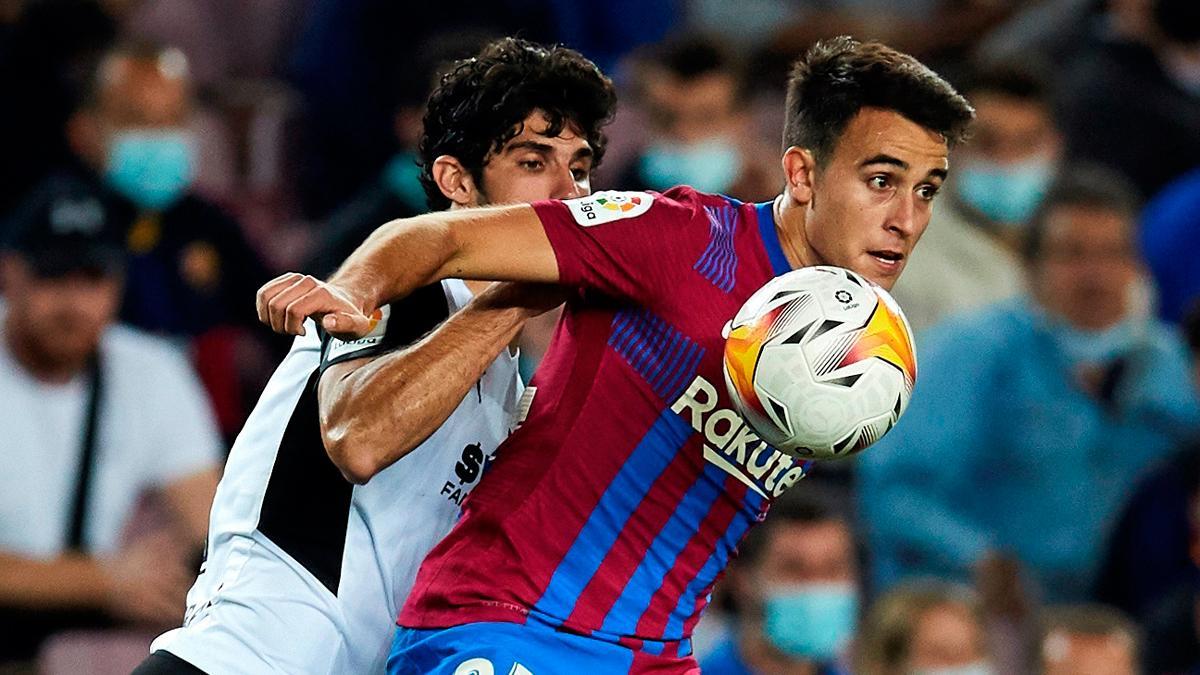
(568, 187)
(902, 217)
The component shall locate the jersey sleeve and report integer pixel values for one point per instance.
(396, 325)
(632, 245)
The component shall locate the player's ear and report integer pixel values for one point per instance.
(800, 168)
(455, 182)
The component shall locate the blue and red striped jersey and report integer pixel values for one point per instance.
(614, 507)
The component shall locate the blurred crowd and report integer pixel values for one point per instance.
(1037, 510)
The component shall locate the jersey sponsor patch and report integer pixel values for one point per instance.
(608, 206)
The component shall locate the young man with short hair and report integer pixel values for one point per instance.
(305, 572)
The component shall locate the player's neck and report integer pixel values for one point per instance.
(789, 225)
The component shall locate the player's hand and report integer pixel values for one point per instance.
(287, 300)
(534, 299)
(148, 582)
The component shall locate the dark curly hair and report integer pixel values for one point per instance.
(482, 102)
(838, 77)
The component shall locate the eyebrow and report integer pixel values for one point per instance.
(545, 148)
(900, 164)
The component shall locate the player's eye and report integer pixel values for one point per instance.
(928, 192)
(580, 175)
(878, 182)
(532, 164)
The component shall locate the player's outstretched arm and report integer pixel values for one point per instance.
(376, 410)
(503, 243)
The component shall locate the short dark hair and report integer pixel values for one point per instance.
(482, 102)
(838, 77)
(1083, 185)
(688, 56)
(1012, 79)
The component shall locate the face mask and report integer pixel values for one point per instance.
(1007, 194)
(977, 668)
(402, 177)
(152, 168)
(811, 621)
(1094, 347)
(709, 166)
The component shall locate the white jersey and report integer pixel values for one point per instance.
(305, 572)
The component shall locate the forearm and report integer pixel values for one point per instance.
(374, 413)
(70, 581)
(398, 257)
(502, 243)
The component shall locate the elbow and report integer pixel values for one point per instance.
(349, 452)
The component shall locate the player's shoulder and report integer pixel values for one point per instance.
(678, 204)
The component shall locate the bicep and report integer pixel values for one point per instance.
(506, 243)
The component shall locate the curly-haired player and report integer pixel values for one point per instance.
(304, 571)
(593, 543)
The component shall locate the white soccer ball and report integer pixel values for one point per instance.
(820, 362)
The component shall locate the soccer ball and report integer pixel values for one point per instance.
(820, 362)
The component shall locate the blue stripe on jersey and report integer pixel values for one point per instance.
(770, 238)
(660, 558)
(683, 374)
(746, 516)
(648, 460)
(718, 263)
(655, 349)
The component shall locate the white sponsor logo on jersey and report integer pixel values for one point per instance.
(608, 206)
(733, 446)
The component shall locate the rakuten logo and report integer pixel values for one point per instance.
(733, 446)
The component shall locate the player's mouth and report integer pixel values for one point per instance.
(888, 259)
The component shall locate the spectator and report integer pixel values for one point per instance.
(796, 581)
(1170, 227)
(94, 414)
(1088, 640)
(693, 92)
(191, 272)
(1133, 103)
(969, 254)
(1153, 560)
(1033, 418)
(923, 628)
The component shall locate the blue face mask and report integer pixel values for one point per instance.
(709, 166)
(1097, 347)
(152, 168)
(811, 621)
(402, 176)
(977, 668)
(1006, 194)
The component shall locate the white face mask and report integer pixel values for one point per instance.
(976, 668)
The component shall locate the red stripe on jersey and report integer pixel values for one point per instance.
(692, 559)
(633, 544)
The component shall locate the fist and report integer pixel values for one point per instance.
(286, 301)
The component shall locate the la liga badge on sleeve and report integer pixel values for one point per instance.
(608, 206)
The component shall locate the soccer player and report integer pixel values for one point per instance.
(305, 572)
(593, 542)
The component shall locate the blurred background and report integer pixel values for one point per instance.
(1036, 511)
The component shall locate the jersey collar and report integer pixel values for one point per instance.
(770, 237)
